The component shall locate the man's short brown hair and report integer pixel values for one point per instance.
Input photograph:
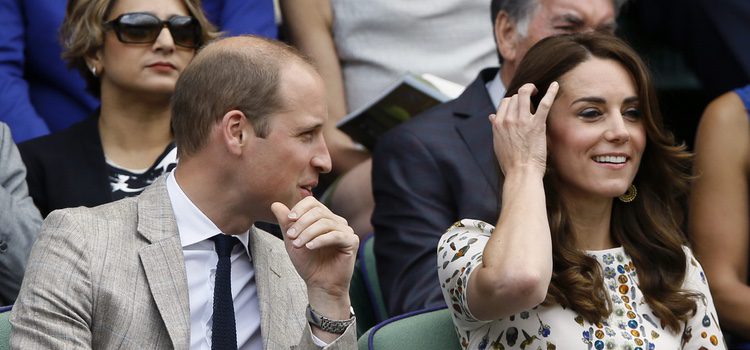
(244, 77)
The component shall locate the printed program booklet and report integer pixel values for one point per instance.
(407, 97)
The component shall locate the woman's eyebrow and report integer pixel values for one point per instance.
(590, 99)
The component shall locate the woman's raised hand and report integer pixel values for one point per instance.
(519, 136)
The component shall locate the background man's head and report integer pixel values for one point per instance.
(519, 24)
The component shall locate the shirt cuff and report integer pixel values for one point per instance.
(317, 341)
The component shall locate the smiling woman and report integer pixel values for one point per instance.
(131, 53)
(578, 257)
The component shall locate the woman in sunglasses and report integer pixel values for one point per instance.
(131, 53)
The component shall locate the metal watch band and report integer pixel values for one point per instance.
(327, 324)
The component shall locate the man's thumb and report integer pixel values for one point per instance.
(281, 212)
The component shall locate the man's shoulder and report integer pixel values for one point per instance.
(105, 219)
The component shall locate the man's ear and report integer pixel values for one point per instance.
(235, 131)
(506, 36)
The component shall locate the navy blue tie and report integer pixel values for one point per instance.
(224, 331)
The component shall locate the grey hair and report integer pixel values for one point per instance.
(521, 12)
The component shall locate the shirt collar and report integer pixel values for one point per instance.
(194, 226)
(496, 89)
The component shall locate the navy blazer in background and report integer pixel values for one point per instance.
(76, 159)
(428, 173)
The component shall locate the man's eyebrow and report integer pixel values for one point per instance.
(607, 27)
(305, 128)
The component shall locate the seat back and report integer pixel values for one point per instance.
(366, 257)
(364, 290)
(429, 329)
(5, 327)
(361, 303)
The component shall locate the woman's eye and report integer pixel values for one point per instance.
(632, 113)
(589, 113)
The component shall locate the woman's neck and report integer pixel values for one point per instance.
(590, 220)
(134, 132)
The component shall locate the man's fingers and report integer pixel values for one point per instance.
(310, 225)
(281, 212)
(546, 103)
(303, 206)
(308, 212)
(319, 227)
(337, 239)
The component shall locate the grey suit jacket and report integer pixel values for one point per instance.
(19, 218)
(113, 277)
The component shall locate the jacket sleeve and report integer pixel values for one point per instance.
(19, 218)
(347, 340)
(15, 104)
(54, 307)
(413, 208)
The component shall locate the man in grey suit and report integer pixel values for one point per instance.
(139, 273)
(19, 218)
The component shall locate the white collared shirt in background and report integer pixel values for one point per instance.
(496, 89)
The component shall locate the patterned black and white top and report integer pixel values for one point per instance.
(129, 182)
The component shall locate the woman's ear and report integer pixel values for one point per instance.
(94, 63)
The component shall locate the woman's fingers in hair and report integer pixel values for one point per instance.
(546, 103)
(502, 110)
(513, 108)
(524, 99)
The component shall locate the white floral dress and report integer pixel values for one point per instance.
(631, 325)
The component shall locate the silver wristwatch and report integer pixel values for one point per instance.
(327, 324)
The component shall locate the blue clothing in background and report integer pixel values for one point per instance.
(744, 94)
(39, 94)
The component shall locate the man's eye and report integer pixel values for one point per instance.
(307, 136)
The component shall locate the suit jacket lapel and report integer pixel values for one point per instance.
(280, 291)
(475, 106)
(164, 263)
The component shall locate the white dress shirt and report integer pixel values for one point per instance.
(496, 89)
(200, 264)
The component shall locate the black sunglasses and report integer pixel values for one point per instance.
(144, 28)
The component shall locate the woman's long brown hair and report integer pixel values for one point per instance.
(649, 228)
